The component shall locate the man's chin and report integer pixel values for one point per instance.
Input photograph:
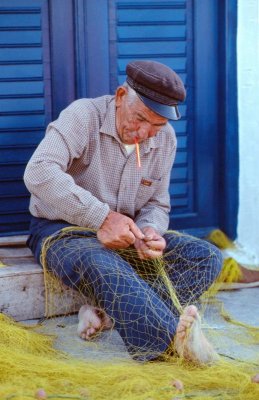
(128, 141)
(129, 137)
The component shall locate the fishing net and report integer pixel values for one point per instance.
(32, 368)
(137, 294)
(238, 267)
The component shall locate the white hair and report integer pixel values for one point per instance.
(132, 95)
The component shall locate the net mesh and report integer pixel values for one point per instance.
(139, 296)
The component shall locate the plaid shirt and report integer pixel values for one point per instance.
(81, 170)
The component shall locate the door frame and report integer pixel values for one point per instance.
(62, 52)
(229, 171)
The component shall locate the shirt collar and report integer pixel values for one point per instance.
(109, 128)
(109, 125)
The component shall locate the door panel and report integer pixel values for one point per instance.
(37, 80)
(173, 33)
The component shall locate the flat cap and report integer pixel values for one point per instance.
(158, 86)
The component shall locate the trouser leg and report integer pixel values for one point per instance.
(192, 265)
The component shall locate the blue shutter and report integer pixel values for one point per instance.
(158, 30)
(24, 102)
(183, 35)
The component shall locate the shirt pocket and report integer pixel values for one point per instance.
(146, 189)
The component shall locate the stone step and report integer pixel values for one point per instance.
(22, 288)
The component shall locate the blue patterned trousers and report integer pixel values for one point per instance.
(133, 293)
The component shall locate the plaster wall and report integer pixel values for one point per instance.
(248, 111)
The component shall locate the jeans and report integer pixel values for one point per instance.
(131, 292)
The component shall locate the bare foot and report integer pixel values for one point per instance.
(248, 275)
(91, 321)
(190, 342)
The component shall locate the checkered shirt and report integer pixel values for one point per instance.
(81, 170)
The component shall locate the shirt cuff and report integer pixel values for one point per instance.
(95, 217)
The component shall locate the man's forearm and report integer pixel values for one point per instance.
(56, 196)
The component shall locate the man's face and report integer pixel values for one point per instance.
(134, 121)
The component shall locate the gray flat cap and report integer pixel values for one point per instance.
(158, 86)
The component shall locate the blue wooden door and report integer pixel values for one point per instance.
(52, 52)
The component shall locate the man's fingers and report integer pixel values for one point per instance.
(156, 244)
(136, 231)
(153, 253)
(130, 238)
(127, 236)
(118, 231)
(149, 254)
(148, 238)
(145, 252)
(122, 244)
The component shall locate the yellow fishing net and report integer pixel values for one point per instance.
(31, 368)
(231, 270)
(29, 363)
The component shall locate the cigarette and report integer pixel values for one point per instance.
(137, 153)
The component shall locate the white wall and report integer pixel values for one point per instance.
(248, 110)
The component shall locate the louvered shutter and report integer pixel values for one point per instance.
(24, 102)
(158, 30)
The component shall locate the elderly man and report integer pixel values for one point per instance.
(105, 165)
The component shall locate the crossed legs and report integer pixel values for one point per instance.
(145, 320)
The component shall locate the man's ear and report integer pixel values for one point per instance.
(119, 95)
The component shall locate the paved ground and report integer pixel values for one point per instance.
(242, 305)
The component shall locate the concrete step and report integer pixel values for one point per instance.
(22, 289)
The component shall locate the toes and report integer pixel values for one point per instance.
(185, 322)
(187, 319)
(83, 336)
(191, 311)
(181, 334)
(91, 331)
(88, 334)
(181, 328)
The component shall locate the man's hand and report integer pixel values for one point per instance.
(118, 231)
(151, 246)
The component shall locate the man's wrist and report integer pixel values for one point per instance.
(105, 216)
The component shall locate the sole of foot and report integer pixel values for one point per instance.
(190, 342)
(92, 320)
